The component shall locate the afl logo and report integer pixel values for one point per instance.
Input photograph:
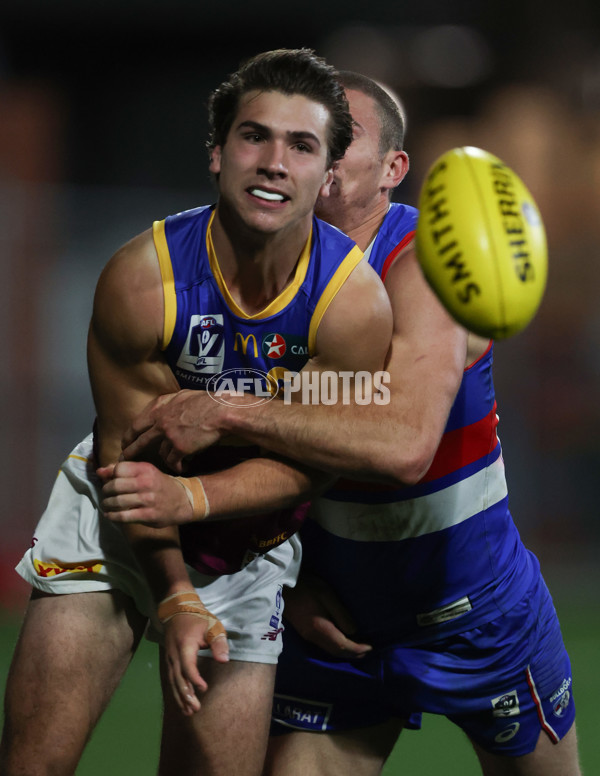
(273, 346)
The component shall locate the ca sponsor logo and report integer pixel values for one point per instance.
(274, 346)
(260, 386)
(506, 705)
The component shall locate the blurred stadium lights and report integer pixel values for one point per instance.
(451, 56)
(447, 56)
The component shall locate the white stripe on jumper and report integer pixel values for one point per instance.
(416, 517)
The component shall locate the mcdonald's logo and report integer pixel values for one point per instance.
(245, 341)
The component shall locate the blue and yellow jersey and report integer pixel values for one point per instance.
(211, 344)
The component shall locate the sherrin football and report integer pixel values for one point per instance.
(481, 242)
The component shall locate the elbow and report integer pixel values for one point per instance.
(405, 467)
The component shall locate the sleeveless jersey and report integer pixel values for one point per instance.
(211, 344)
(421, 562)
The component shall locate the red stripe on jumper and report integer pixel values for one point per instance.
(554, 737)
(463, 446)
(457, 449)
(402, 244)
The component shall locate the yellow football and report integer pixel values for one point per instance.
(481, 242)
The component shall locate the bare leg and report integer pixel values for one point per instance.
(71, 654)
(547, 759)
(360, 752)
(230, 732)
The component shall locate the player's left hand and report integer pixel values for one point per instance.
(320, 617)
(138, 492)
(180, 424)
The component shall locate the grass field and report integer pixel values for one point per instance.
(126, 741)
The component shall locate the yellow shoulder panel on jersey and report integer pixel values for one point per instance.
(168, 280)
(339, 278)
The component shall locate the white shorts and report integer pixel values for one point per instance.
(75, 549)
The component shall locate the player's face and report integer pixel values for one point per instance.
(273, 165)
(357, 178)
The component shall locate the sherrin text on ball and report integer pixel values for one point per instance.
(481, 242)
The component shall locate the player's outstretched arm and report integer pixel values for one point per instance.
(126, 371)
(394, 442)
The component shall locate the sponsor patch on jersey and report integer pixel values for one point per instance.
(44, 569)
(506, 705)
(204, 349)
(274, 345)
(301, 713)
(561, 698)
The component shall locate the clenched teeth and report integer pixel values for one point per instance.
(270, 195)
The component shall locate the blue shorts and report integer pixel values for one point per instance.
(502, 683)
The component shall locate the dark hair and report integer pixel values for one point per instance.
(289, 71)
(391, 119)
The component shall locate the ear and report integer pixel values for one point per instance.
(395, 167)
(327, 181)
(215, 160)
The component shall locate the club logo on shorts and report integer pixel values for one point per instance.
(273, 346)
(561, 698)
(506, 705)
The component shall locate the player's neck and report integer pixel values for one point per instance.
(255, 267)
(363, 225)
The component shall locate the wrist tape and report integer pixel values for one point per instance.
(197, 496)
(188, 602)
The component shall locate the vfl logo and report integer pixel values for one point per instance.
(273, 346)
(506, 705)
(204, 349)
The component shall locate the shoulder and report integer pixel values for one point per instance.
(128, 303)
(396, 233)
(330, 238)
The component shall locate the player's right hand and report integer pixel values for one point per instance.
(184, 636)
(138, 492)
(319, 617)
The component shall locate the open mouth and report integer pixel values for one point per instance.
(268, 196)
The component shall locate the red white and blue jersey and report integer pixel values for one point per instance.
(211, 344)
(421, 562)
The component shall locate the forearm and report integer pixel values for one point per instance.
(341, 440)
(389, 443)
(260, 485)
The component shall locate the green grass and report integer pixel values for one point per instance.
(126, 741)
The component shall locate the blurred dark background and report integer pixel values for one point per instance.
(103, 130)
